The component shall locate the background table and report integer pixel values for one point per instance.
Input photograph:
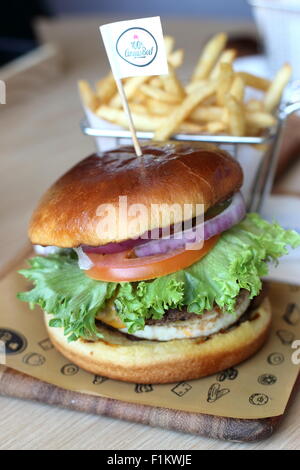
(39, 140)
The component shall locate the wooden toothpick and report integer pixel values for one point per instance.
(136, 143)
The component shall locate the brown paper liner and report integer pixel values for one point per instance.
(258, 388)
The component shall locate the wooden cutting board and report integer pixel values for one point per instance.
(19, 385)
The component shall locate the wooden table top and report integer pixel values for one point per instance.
(40, 139)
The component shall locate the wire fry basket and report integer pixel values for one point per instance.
(258, 156)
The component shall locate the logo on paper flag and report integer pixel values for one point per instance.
(135, 47)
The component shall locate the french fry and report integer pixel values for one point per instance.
(238, 88)
(137, 108)
(216, 127)
(192, 86)
(191, 127)
(156, 81)
(207, 114)
(236, 116)
(260, 120)
(254, 105)
(106, 88)
(131, 86)
(139, 98)
(209, 56)
(169, 44)
(159, 107)
(88, 97)
(172, 84)
(160, 95)
(254, 81)
(142, 122)
(273, 95)
(225, 78)
(227, 57)
(182, 111)
(212, 102)
(176, 58)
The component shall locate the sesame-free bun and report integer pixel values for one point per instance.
(118, 357)
(166, 174)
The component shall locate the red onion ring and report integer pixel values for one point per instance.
(118, 247)
(113, 247)
(221, 222)
(233, 214)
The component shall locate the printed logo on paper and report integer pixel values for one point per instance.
(275, 359)
(34, 359)
(267, 379)
(259, 399)
(46, 344)
(137, 46)
(181, 389)
(14, 342)
(69, 369)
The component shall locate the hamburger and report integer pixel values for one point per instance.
(143, 297)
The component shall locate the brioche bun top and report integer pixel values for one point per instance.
(171, 173)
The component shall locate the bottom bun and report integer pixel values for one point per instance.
(118, 357)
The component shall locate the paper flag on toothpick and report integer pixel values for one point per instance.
(135, 48)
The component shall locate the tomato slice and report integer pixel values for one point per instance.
(120, 267)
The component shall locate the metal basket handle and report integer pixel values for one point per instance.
(285, 111)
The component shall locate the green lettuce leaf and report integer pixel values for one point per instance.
(148, 299)
(63, 290)
(238, 260)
